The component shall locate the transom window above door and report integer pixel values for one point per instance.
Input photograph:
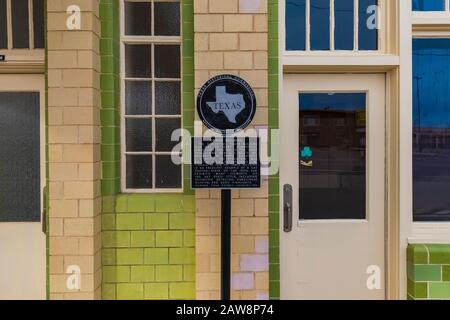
(332, 25)
(21, 24)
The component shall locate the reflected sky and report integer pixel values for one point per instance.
(431, 135)
(431, 83)
(333, 101)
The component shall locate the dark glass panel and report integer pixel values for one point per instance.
(168, 174)
(138, 61)
(167, 18)
(431, 131)
(344, 24)
(368, 33)
(164, 129)
(138, 97)
(38, 23)
(3, 26)
(20, 180)
(138, 18)
(139, 135)
(332, 156)
(168, 98)
(20, 24)
(139, 172)
(295, 24)
(167, 61)
(320, 24)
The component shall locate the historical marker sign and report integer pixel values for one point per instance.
(226, 104)
(225, 163)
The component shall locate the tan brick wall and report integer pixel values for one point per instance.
(74, 149)
(231, 40)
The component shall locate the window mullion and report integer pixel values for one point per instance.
(153, 118)
(30, 24)
(9, 24)
(356, 26)
(332, 25)
(308, 25)
(153, 100)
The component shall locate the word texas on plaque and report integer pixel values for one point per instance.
(225, 163)
(226, 104)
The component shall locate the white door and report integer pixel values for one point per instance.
(333, 162)
(22, 178)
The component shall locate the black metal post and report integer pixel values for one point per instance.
(226, 245)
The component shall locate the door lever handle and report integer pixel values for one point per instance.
(287, 208)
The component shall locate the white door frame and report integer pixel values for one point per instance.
(31, 232)
(347, 83)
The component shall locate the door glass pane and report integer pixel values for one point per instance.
(295, 24)
(344, 24)
(332, 156)
(368, 33)
(19, 157)
(431, 131)
(20, 24)
(38, 23)
(320, 24)
(3, 25)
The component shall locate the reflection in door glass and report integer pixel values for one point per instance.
(332, 156)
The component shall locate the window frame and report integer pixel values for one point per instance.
(30, 29)
(149, 40)
(22, 56)
(434, 20)
(427, 25)
(332, 52)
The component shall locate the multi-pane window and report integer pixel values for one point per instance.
(431, 129)
(21, 24)
(151, 94)
(331, 25)
(430, 5)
